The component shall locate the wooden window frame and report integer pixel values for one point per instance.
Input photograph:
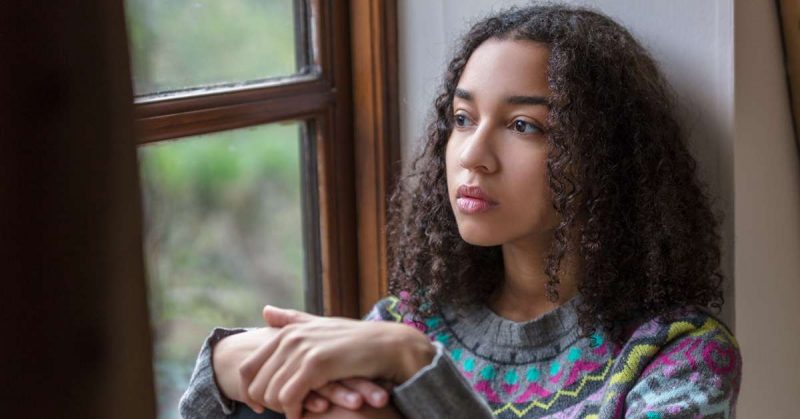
(355, 155)
(376, 134)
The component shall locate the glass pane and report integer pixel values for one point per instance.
(180, 44)
(223, 237)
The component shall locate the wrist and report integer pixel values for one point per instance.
(416, 352)
(223, 367)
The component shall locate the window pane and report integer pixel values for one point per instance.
(223, 237)
(180, 44)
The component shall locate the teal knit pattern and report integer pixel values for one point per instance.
(688, 366)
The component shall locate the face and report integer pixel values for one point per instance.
(496, 155)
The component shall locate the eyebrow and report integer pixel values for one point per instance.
(512, 100)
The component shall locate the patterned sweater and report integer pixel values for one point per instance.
(687, 368)
(487, 366)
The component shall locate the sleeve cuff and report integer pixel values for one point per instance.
(439, 390)
(202, 398)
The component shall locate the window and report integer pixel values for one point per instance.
(260, 184)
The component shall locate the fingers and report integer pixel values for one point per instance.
(293, 393)
(252, 365)
(293, 377)
(277, 381)
(258, 386)
(255, 407)
(341, 395)
(254, 404)
(388, 385)
(374, 394)
(265, 365)
(279, 317)
(316, 403)
(326, 399)
(248, 371)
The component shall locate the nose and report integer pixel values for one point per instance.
(477, 152)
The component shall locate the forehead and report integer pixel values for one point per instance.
(505, 67)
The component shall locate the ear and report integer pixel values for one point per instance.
(279, 317)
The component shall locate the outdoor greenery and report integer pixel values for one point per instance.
(177, 44)
(223, 233)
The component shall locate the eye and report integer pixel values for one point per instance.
(462, 120)
(525, 127)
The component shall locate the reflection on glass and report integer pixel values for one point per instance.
(223, 237)
(178, 44)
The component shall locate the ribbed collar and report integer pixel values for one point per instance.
(493, 337)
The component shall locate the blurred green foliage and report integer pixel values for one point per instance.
(223, 237)
(223, 221)
(177, 44)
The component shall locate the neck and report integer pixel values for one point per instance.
(522, 294)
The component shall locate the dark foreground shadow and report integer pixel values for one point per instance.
(244, 412)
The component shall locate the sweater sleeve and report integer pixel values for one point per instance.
(696, 375)
(202, 398)
(438, 390)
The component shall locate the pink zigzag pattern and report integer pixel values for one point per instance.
(667, 359)
(579, 367)
(510, 388)
(601, 350)
(485, 387)
(533, 389)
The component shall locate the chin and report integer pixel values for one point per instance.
(479, 238)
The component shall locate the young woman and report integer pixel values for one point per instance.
(553, 251)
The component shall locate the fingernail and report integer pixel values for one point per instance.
(352, 398)
(377, 396)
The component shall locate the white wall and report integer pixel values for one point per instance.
(700, 72)
(737, 113)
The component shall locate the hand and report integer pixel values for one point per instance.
(230, 352)
(310, 351)
(350, 393)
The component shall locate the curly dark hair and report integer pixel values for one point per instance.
(622, 178)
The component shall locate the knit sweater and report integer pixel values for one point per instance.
(687, 367)
(488, 366)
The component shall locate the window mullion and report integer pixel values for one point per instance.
(205, 114)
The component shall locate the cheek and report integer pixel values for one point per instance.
(451, 162)
(528, 172)
(531, 190)
(449, 154)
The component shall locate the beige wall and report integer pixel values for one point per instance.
(767, 218)
(734, 103)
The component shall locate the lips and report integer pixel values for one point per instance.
(473, 200)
